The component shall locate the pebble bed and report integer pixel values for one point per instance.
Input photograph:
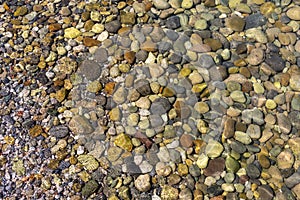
(150, 99)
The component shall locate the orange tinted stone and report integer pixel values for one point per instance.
(89, 42)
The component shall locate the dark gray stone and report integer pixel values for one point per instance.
(252, 171)
(205, 61)
(255, 20)
(143, 87)
(265, 192)
(59, 131)
(90, 69)
(113, 26)
(275, 62)
(160, 106)
(173, 22)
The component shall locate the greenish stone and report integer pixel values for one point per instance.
(89, 188)
(232, 165)
(238, 96)
(213, 149)
(18, 167)
(296, 102)
(88, 161)
(232, 86)
(242, 137)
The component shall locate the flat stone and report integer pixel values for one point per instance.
(113, 153)
(120, 95)
(36, 131)
(89, 42)
(254, 131)
(142, 183)
(101, 55)
(115, 114)
(252, 171)
(293, 180)
(90, 69)
(160, 106)
(284, 123)
(238, 96)
(186, 140)
(59, 131)
(143, 87)
(80, 125)
(265, 192)
(127, 17)
(296, 190)
(123, 141)
(89, 188)
(275, 62)
(88, 161)
(285, 160)
(294, 144)
(229, 125)
(295, 82)
(202, 161)
(242, 137)
(257, 34)
(214, 149)
(201, 24)
(256, 57)
(215, 167)
(232, 165)
(255, 20)
(201, 107)
(173, 22)
(187, 4)
(294, 13)
(21, 11)
(113, 26)
(71, 33)
(235, 23)
(161, 4)
(206, 61)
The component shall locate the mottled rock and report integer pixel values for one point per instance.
(253, 171)
(142, 183)
(90, 69)
(275, 62)
(294, 13)
(89, 188)
(113, 26)
(285, 160)
(80, 125)
(295, 82)
(284, 123)
(215, 167)
(160, 106)
(235, 23)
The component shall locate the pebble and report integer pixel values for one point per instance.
(215, 167)
(294, 82)
(187, 4)
(169, 193)
(285, 160)
(90, 69)
(80, 125)
(253, 171)
(160, 106)
(284, 123)
(255, 20)
(213, 149)
(142, 183)
(256, 57)
(235, 23)
(294, 13)
(59, 131)
(242, 137)
(113, 26)
(72, 33)
(161, 4)
(232, 165)
(89, 188)
(275, 62)
(238, 96)
(124, 142)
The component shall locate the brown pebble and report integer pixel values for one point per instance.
(129, 56)
(247, 86)
(54, 27)
(89, 42)
(186, 140)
